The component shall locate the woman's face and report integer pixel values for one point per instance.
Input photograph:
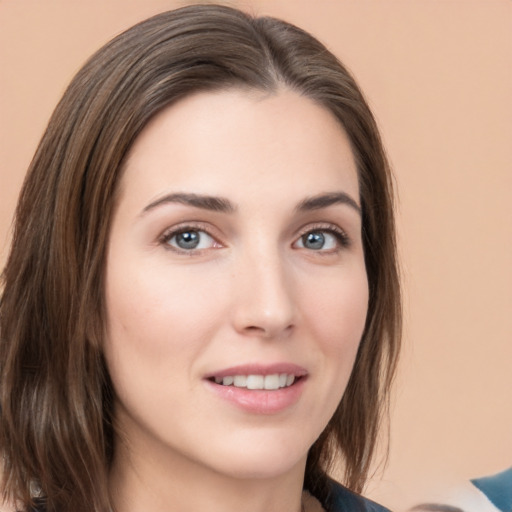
(235, 263)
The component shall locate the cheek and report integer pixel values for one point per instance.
(157, 323)
(337, 315)
(156, 307)
(338, 308)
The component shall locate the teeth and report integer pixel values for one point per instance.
(240, 381)
(227, 381)
(255, 382)
(269, 382)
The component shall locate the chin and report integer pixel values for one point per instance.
(258, 469)
(263, 458)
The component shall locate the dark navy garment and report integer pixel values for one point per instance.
(497, 488)
(344, 500)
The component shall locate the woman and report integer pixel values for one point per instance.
(201, 304)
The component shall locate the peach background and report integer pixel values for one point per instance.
(438, 75)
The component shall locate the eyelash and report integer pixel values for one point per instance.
(339, 234)
(169, 234)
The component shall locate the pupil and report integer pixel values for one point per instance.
(314, 240)
(187, 240)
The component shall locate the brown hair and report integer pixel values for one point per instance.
(56, 396)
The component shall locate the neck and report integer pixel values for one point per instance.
(170, 483)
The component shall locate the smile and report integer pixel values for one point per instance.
(259, 388)
(267, 382)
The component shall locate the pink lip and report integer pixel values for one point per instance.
(259, 401)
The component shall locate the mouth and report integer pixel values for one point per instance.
(270, 382)
(259, 388)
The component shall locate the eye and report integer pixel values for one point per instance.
(326, 240)
(189, 239)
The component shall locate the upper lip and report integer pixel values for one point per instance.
(260, 369)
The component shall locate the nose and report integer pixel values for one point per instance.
(264, 304)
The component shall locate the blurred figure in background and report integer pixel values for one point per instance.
(486, 494)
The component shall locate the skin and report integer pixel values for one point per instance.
(254, 291)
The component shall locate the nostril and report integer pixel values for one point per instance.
(254, 328)
(268, 332)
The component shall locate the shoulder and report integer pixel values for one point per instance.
(344, 500)
(7, 507)
(11, 507)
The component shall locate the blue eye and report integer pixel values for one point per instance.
(190, 239)
(322, 240)
(315, 240)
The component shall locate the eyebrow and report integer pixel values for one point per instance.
(223, 205)
(325, 200)
(212, 203)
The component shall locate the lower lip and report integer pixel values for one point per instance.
(260, 401)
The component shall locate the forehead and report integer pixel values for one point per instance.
(232, 140)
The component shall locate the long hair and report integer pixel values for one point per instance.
(56, 397)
